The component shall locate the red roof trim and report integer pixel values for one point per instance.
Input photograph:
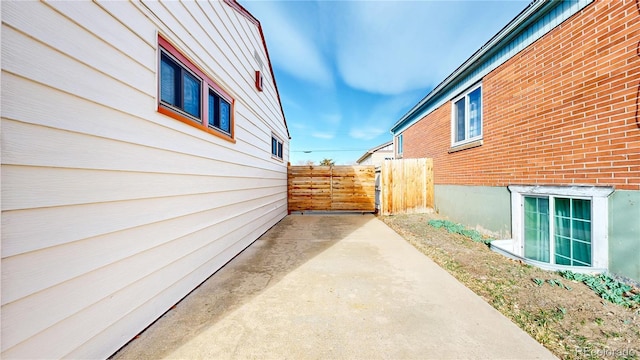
(244, 12)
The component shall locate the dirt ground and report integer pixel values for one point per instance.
(573, 323)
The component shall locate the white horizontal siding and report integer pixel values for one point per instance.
(112, 212)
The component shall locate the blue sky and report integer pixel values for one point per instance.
(348, 70)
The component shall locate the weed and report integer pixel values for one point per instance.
(459, 229)
(606, 287)
(538, 282)
(599, 321)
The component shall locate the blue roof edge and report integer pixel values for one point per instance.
(533, 22)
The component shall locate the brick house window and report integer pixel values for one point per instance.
(557, 230)
(399, 145)
(466, 116)
(561, 225)
(187, 94)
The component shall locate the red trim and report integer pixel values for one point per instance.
(204, 96)
(258, 80)
(189, 121)
(239, 8)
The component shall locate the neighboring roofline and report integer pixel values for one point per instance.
(374, 149)
(523, 19)
(240, 9)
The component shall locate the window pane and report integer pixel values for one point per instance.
(536, 224)
(213, 109)
(563, 226)
(168, 81)
(561, 260)
(582, 209)
(581, 253)
(563, 207)
(475, 113)
(274, 146)
(563, 246)
(573, 233)
(225, 116)
(459, 114)
(191, 94)
(543, 205)
(530, 205)
(581, 230)
(280, 150)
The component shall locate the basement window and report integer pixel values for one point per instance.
(562, 226)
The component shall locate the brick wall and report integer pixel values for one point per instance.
(563, 111)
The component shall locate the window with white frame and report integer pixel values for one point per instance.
(276, 147)
(561, 225)
(466, 116)
(399, 144)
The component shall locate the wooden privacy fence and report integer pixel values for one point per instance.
(406, 186)
(331, 188)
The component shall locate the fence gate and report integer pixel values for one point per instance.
(331, 188)
(406, 186)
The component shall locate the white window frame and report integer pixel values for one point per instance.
(454, 124)
(599, 217)
(399, 144)
(279, 150)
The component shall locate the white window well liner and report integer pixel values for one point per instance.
(514, 248)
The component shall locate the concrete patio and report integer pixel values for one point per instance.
(332, 287)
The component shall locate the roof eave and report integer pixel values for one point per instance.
(510, 30)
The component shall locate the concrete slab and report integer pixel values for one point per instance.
(333, 287)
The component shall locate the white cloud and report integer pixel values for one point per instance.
(381, 116)
(390, 47)
(367, 132)
(322, 135)
(332, 119)
(290, 48)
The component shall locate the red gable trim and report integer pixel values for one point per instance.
(239, 8)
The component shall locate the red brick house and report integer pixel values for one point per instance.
(536, 137)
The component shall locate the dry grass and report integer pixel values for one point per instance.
(573, 324)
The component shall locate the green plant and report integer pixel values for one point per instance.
(606, 287)
(538, 282)
(456, 228)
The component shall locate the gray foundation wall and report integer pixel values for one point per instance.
(488, 209)
(624, 234)
(484, 208)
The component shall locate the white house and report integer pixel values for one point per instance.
(144, 145)
(377, 154)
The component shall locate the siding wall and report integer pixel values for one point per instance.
(112, 212)
(562, 111)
